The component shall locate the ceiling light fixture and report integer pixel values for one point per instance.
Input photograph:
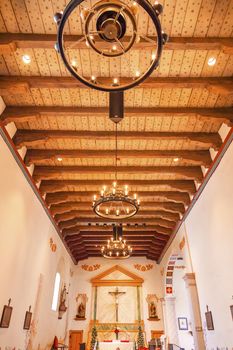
(116, 247)
(212, 61)
(26, 59)
(110, 31)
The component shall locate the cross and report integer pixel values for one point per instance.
(116, 295)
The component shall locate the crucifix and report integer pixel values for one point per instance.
(116, 295)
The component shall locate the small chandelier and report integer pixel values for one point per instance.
(116, 247)
(115, 203)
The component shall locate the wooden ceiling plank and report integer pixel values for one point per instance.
(37, 137)
(217, 85)
(27, 113)
(35, 156)
(11, 41)
(61, 197)
(50, 186)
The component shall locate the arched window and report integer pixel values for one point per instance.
(56, 291)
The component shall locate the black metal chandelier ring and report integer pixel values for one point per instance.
(131, 203)
(100, 84)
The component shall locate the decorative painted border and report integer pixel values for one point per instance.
(143, 268)
(90, 268)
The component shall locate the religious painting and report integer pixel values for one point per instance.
(81, 300)
(231, 308)
(27, 319)
(6, 315)
(209, 320)
(183, 323)
(152, 301)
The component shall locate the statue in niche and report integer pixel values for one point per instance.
(81, 307)
(152, 301)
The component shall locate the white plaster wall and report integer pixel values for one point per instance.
(26, 258)
(182, 308)
(210, 235)
(81, 284)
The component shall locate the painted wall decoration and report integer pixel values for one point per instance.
(53, 246)
(6, 315)
(143, 268)
(170, 270)
(152, 301)
(81, 307)
(182, 243)
(90, 268)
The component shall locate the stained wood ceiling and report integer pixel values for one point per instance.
(176, 113)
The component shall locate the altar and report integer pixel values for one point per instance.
(116, 344)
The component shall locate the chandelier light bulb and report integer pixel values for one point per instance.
(117, 253)
(135, 195)
(117, 212)
(114, 48)
(127, 210)
(59, 159)
(114, 184)
(137, 74)
(106, 211)
(74, 63)
(115, 81)
(93, 78)
(113, 191)
(104, 188)
(138, 201)
(176, 159)
(153, 56)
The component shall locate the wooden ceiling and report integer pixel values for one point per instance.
(176, 113)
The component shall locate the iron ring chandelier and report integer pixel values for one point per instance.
(110, 29)
(116, 204)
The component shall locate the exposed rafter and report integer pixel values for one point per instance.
(51, 172)
(27, 113)
(168, 206)
(22, 84)
(84, 220)
(142, 213)
(39, 137)
(128, 229)
(9, 42)
(50, 186)
(35, 156)
(61, 197)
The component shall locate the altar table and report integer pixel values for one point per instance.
(116, 345)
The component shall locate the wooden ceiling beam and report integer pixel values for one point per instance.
(140, 236)
(61, 197)
(10, 42)
(22, 114)
(30, 138)
(56, 172)
(168, 206)
(22, 84)
(84, 220)
(90, 214)
(50, 186)
(35, 156)
(132, 229)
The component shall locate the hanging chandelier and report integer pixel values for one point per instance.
(116, 247)
(109, 31)
(115, 202)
